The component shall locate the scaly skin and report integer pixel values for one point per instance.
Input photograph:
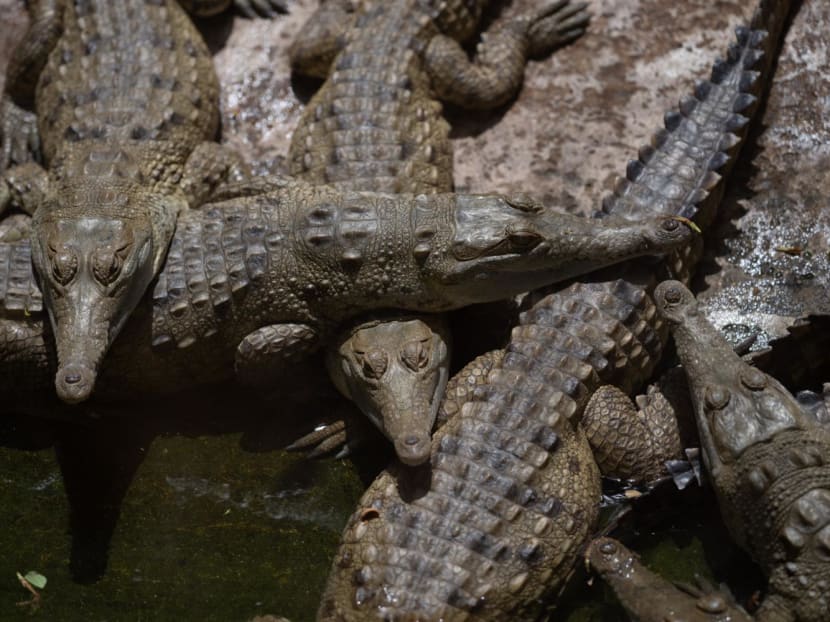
(126, 101)
(649, 598)
(396, 372)
(257, 281)
(768, 460)
(510, 495)
(375, 125)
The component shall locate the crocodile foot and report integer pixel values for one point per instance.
(557, 24)
(19, 142)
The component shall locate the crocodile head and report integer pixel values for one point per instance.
(396, 371)
(93, 267)
(736, 405)
(512, 244)
(648, 596)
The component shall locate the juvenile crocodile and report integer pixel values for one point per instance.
(126, 100)
(768, 460)
(375, 125)
(266, 277)
(649, 598)
(496, 519)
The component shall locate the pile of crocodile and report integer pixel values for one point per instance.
(139, 257)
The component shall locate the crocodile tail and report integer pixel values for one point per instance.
(680, 172)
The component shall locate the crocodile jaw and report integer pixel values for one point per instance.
(93, 272)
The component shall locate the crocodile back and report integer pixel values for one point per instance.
(134, 74)
(781, 495)
(374, 124)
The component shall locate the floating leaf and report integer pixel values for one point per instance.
(36, 579)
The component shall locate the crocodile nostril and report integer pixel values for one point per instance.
(72, 378)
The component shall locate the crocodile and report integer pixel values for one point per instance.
(493, 523)
(375, 125)
(647, 597)
(254, 282)
(768, 459)
(127, 106)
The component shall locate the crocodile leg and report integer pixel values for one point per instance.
(313, 53)
(634, 442)
(30, 56)
(649, 598)
(22, 187)
(209, 169)
(15, 228)
(495, 75)
(19, 139)
(269, 352)
(18, 125)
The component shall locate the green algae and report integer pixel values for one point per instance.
(206, 519)
(165, 527)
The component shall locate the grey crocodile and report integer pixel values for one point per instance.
(495, 521)
(257, 281)
(376, 125)
(126, 101)
(647, 597)
(768, 460)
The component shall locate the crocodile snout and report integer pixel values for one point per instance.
(74, 383)
(413, 449)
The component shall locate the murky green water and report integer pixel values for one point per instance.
(148, 519)
(129, 521)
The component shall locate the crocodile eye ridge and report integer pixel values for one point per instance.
(415, 354)
(106, 266)
(64, 266)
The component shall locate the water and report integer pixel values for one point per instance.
(200, 517)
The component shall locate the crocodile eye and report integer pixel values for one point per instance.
(523, 239)
(64, 266)
(106, 266)
(415, 355)
(374, 363)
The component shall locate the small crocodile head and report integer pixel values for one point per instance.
(736, 405)
(95, 251)
(513, 244)
(396, 371)
(647, 596)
